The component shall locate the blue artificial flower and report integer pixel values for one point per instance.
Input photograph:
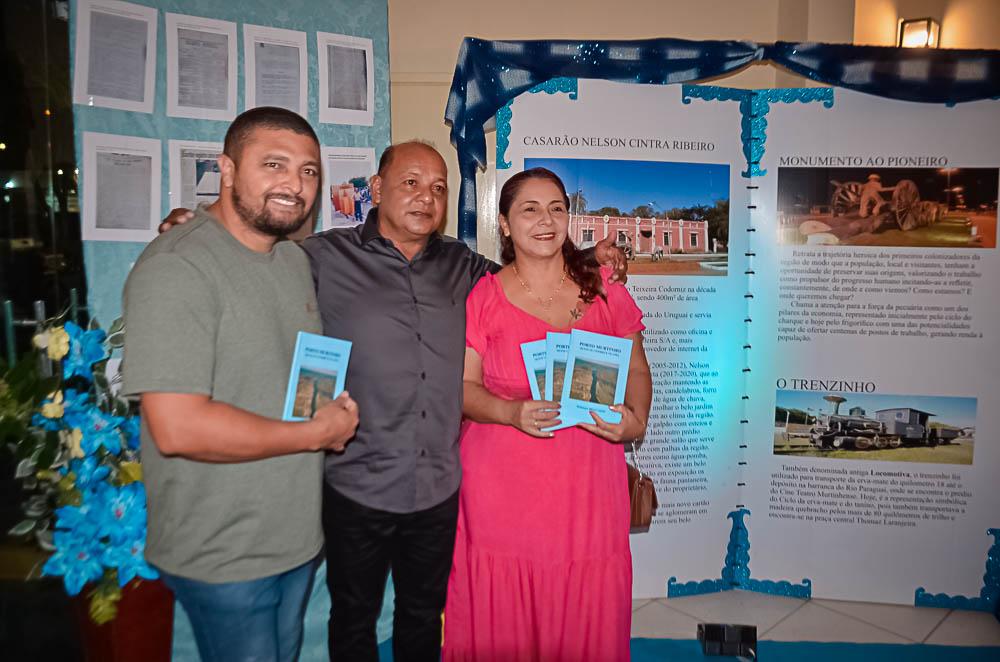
(51, 411)
(98, 428)
(85, 349)
(77, 560)
(52, 424)
(81, 521)
(88, 472)
(122, 512)
(74, 401)
(128, 558)
(130, 430)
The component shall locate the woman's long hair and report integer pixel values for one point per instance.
(578, 267)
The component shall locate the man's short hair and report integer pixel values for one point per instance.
(390, 153)
(264, 117)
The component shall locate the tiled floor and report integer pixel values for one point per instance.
(791, 619)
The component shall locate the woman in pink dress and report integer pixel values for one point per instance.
(542, 567)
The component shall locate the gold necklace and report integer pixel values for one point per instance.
(545, 302)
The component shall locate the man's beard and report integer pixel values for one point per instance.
(262, 221)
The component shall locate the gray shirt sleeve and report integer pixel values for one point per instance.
(311, 245)
(480, 266)
(171, 320)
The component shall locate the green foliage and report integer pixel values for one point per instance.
(48, 450)
(605, 211)
(718, 221)
(22, 389)
(120, 408)
(716, 215)
(42, 454)
(642, 211)
(23, 528)
(795, 416)
(104, 598)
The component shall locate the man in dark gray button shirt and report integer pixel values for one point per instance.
(397, 290)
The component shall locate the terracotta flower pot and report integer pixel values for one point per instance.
(142, 631)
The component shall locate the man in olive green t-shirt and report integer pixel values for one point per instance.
(212, 311)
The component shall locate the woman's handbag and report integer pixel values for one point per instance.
(641, 495)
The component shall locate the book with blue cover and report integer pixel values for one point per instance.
(534, 355)
(557, 347)
(319, 367)
(596, 375)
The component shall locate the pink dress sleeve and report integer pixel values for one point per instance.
(475, 304)
(626, 317)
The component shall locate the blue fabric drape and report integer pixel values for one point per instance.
(490, 73)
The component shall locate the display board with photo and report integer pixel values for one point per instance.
(346, 191)
(821, 356)
(195, 177)
(875, 426)
(668, 217)
(904, 207)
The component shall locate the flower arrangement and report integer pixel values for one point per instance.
(80, 455)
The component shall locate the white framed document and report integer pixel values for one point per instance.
(276, 68)
(346, 79)
(201, 68)
(115, 55)
(346, 194)
(121, 187)
(195, 177)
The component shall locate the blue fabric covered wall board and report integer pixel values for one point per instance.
(108, 263)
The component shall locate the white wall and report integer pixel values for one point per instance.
(971, 24)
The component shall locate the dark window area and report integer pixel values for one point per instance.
(40, 251)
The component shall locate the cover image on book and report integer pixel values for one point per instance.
(319, 368)
(557, 347)
(596, 374)
(534, 354)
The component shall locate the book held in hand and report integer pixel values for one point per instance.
(319, 368)
(584, 371)
(596, 375)
(557, 346)
(534, 355)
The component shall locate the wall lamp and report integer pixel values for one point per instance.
(918, 33)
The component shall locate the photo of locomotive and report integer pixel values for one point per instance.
(891, 428)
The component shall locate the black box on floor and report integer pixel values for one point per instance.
(728, 639)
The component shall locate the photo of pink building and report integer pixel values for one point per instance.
(642, 237)
(669, 217)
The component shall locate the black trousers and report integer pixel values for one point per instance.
(362, 545)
